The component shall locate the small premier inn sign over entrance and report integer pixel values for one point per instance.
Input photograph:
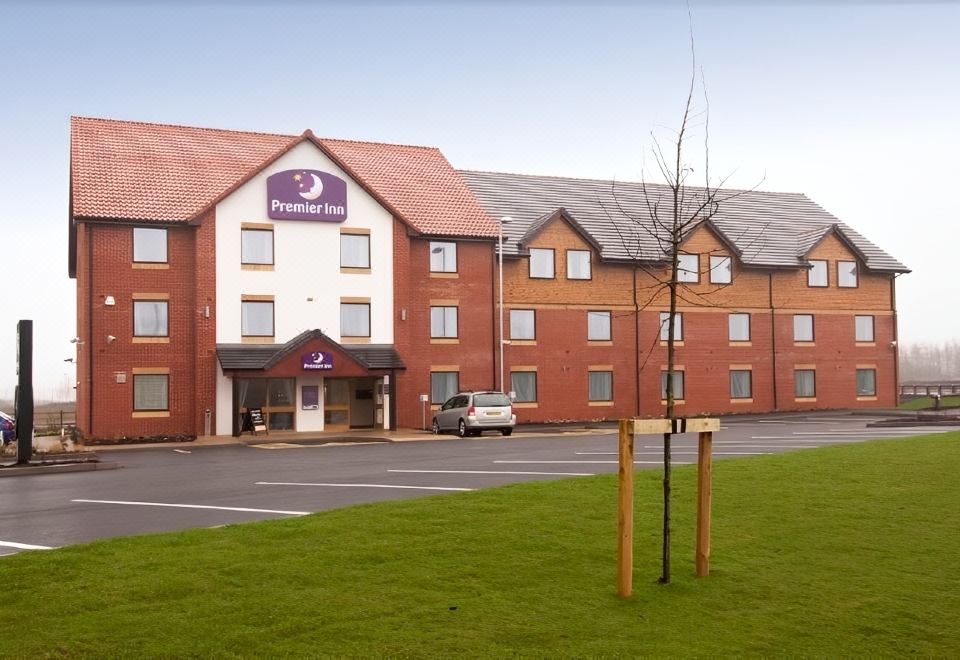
(306, 195)
(318, 361)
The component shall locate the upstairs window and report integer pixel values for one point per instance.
(688, 268)
(150, 318)
(864, 328)
(721, 270)
(542, 262)
(354, 319)
(739, 327)
(256, 318)
(256, 246)
(803, 327)
(523, 324)
(355, 251)
(443, 322)
(578, 265)
(149, 245)
(443, 257)
(817, 275)
(665, 326)
(847, 274)
(598, 326)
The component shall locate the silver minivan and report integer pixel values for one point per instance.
(471, 413)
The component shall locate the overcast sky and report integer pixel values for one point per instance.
(854, 104)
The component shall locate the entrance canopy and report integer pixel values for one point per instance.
(309, 353)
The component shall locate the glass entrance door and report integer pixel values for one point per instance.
(336, 403)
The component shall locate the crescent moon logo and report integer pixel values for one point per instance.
(315, 190)
(318, 358)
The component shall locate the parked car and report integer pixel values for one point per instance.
(471, 413)
(7, 427)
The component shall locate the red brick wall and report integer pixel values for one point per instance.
(204, 340)
(415, 288)
(114, 275)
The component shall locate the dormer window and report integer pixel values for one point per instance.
(721, 270)
(847, 274)
(688, 268)
(817, 275)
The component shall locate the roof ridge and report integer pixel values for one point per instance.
(195, 128)
(381, 144)
(650, 183)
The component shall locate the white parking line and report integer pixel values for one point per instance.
(285, 483)
(827, 441)
(196, 506)
(590, 462)
(673, 453)
(25, 546)
(558, 474)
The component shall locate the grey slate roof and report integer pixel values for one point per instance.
(257, 357)
(767, 229)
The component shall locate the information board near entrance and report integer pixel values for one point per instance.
(255, 418)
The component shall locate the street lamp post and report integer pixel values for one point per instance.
(503, 221)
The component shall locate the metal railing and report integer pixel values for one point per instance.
(919, 388)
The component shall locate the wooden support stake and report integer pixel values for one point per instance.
(704, 501)
(625, 512)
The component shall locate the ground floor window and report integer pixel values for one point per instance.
(600, 386)
(524, 385)
(443, 385)
(741, 386)
(151, 392)
(274, 396)
(805, 383)
(866, 382)
(677, 385)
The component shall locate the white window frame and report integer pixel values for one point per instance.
(721, 269)
(443, 257)
(539, 261)
(688, 268)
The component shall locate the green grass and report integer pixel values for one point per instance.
(925, 402)
(847, 550)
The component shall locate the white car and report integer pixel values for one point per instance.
(471, 413)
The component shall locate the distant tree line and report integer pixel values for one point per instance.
(933, 362)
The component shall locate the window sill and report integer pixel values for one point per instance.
(867, 398)
(600, 404)
(150, 413)
(355, 271)
(525, 404)
(355, 340)
(448, 340)
(804, 344)
(444, 276)
(147, 266)
(256, 266)
(750, 400)
(676, 343)
(676, 402)
(523, 342)
(866, 344)
(256, 340)
(737, 342)
(599, 342)
(805, 399)
(151, 340)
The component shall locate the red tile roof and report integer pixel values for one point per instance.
(157, 172)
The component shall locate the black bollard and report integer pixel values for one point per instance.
(24, 396)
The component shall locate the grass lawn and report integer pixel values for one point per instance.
(845, 550)
(925, 402)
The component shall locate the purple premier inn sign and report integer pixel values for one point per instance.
(306, 195)
(319, 361)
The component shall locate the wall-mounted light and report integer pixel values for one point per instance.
(206, 311)
(76, 340)
(403, 313)
(111, 339)
(109, 301)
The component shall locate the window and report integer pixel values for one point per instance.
(354, 319)
(443, 257)
(443, 321)
(864, 328)
(677, 385)
(739, 327)
(721, 270)
(741, 386)
(805, 383)
(443, 385)
(665, 326)
(355, 251)
(256, 318)
(600, 386)
(150, 318)
(688, 268)
(524, 385)
(149, 245)
(817, 275)
(522, 324)
(599, 326)
(803, 327)
(542, 263)
(866, 382)
(256, 246)
(847, 273)
(150, 392)
(578, 265)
